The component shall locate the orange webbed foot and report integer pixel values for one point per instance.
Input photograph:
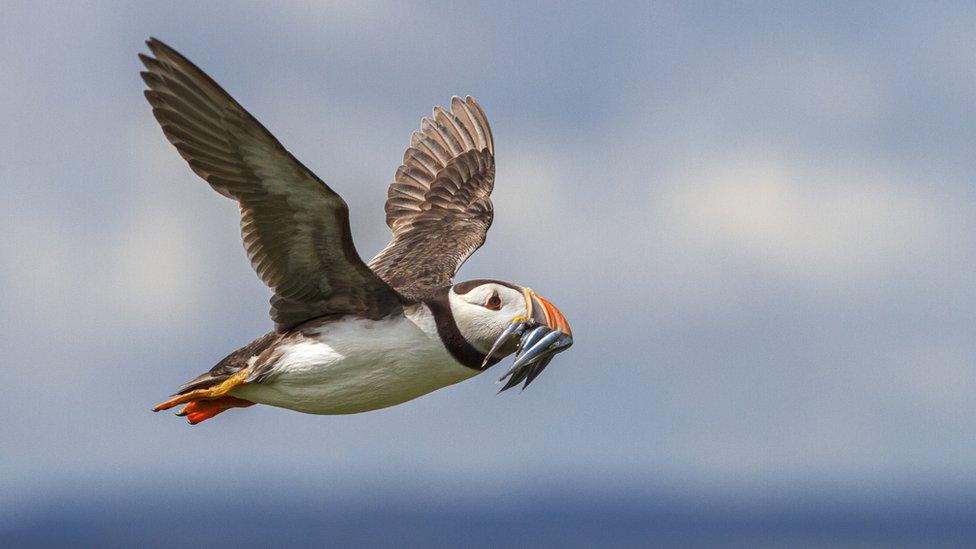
(201, 410)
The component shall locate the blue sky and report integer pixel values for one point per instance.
(760, 220)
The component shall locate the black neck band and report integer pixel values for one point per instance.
(447, 329)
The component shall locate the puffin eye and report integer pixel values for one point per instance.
(494, 302)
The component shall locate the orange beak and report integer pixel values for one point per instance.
(544, 312)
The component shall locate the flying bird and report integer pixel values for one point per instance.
(351, 336)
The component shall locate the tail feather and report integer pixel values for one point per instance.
(202, 381)
(231, 364)
(208, 394)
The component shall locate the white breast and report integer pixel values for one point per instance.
(355, 365)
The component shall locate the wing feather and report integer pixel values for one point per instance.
(439, 205)
(294, 227)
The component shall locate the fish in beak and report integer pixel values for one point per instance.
(543, 333)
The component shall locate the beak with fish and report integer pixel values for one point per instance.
(541, 334)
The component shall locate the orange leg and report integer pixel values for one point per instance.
(200, 410)
(210, 393)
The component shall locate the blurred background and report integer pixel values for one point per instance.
(760, 220)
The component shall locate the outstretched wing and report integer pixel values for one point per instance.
(295, 228)
(438, 206)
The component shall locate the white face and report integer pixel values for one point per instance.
(483, 312)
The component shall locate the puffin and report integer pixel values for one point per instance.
(351, 336)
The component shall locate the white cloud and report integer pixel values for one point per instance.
(804, 226)
(363, 15)
(531, 185)
(35, 253)
(154, 262)
(153, 266)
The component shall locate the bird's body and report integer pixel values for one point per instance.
(350, 336)
(350, 364)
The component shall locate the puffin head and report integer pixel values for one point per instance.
(500, 318)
